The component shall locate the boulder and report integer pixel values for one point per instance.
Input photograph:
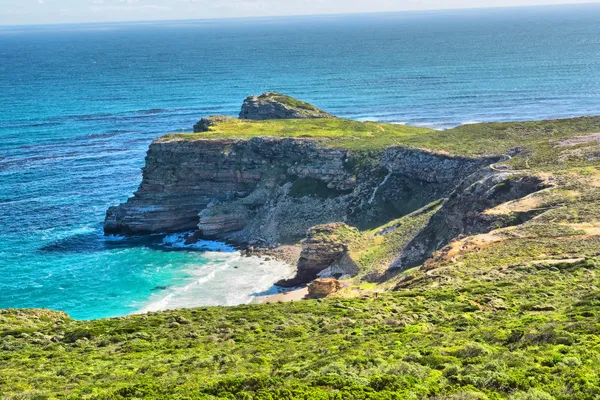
(323, 287)
(321, 249)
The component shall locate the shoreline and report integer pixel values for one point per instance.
(222, 275)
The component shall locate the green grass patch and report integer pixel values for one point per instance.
(538, 138)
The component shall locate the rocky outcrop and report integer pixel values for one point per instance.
(205, 123)
(273, 190)
(463, 212)
(323, 287)
(321, 249)
(272, 105)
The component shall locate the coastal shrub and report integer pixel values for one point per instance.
(472, 350)
(531, 394)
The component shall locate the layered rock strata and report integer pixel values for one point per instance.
(463, 212)
(273, 190)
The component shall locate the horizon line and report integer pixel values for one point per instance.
(258, 17)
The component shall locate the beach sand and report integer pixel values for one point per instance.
(293, 295)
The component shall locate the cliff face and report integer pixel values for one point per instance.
(273, 190)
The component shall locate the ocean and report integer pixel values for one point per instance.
(81, 103)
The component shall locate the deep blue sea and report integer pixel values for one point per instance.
(79, 105)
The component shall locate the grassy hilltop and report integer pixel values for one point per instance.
(510, 314)
(467, 140)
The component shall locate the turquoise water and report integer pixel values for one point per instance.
(81, 103)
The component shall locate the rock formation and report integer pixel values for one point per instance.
(205, 123)
(272, 105)
(463, 213)
(321, 249)
(323, 287)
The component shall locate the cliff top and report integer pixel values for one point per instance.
(545, 142)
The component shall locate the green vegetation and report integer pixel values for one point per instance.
(334, 132)
(517, 318)
(373, 251)
(538, 138)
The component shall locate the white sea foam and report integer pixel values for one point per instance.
(221, 278)
(178, 241)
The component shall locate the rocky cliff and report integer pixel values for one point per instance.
(273, 190)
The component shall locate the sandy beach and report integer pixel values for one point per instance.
(292, 295)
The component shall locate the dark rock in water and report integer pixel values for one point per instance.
(272, 105)
(157, 288)
(192, 238)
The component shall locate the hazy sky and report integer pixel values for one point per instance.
(14, 12)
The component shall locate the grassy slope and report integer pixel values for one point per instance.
(467, 140)
(531, 333)
(513, 314)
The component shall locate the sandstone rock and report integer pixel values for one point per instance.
(323, 287)
(214, 225)
(272, 105)
(463, 213)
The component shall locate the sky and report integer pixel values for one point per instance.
(20, 12)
